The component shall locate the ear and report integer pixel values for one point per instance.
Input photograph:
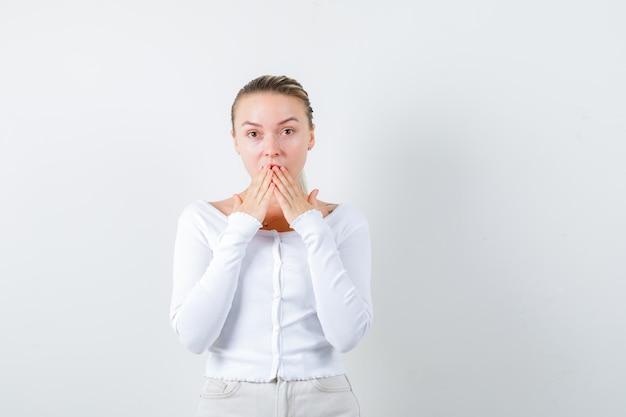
(235, 143)
(312, 138)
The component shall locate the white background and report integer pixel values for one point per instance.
(484, 140)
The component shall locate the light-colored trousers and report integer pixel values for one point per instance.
(322, 397)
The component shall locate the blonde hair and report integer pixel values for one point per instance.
(279, 84)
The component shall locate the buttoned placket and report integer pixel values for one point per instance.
(276, 308)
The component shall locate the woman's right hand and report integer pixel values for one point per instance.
(256, 198)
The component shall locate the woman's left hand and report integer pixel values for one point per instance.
(292, 199)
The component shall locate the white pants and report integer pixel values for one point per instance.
(322, 397)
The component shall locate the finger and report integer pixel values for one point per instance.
(282, 201)
(265, 185)
(280, 182)
(288, 178)
(265, 201)
(261, 184)
(287, 197)
(265, 191)
(290, 188)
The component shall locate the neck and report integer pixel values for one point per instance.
(274, 212)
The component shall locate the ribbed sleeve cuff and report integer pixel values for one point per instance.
(307, 221)
(243, 223)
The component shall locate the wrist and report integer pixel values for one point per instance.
(241, 217)
(302, 217)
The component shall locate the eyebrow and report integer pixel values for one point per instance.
(289, 119)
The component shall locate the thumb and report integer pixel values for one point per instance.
(237, 202)
(313, 197)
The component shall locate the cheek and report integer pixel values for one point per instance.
(251, 149)
(298, 159)
(249, 157)
(252, 146)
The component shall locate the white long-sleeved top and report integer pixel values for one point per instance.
(267, 304)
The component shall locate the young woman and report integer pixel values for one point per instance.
(272, 282)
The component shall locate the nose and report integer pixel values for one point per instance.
(272, 146)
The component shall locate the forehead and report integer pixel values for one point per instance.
(267, 106)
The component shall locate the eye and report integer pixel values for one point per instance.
(253, 134)
(288, 131)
